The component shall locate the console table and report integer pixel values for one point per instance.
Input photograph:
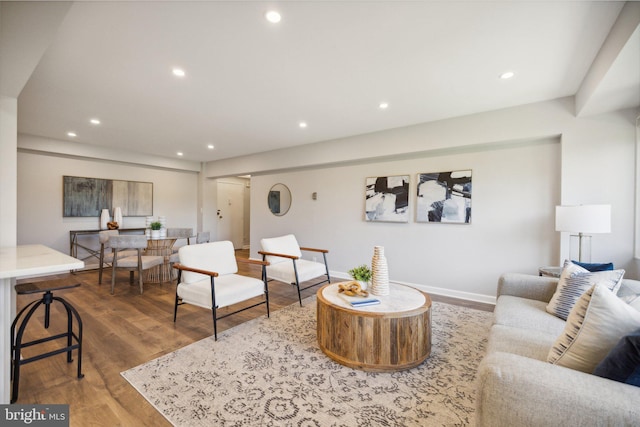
(93, 252)
(18, 262)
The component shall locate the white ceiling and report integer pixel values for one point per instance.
(328, 63)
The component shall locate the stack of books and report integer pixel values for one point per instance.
(356, 301)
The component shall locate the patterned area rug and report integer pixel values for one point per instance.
(271, 372)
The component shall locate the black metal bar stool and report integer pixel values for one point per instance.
(16, 339)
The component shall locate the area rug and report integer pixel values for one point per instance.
(271, 372)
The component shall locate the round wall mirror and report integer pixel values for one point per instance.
(279, 199)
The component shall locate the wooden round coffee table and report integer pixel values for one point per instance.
(391, 336)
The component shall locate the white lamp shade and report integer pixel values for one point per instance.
(584, 219)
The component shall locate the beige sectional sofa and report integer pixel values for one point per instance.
(516, 384)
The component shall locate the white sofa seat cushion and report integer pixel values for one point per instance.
(230, 289)
(526, 314)
(521, 391)
(523, 342)
(307, 270)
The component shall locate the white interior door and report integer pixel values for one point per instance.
(231, 212)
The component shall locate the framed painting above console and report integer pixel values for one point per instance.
(84, 197)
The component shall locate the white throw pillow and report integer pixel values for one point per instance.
(575, 281)
(597, 322)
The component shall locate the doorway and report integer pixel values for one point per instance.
(232, 208)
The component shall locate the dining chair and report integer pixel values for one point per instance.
(134, 263)
(286, 264)
(107, 256)
(180, 233)
(207, 277)
(203, 237)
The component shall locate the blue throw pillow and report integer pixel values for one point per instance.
(623, 361)
(594, 267)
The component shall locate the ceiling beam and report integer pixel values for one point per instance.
(26, 30)
(624, 32)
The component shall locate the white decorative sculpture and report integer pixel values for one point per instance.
(104, 219)
(380, 272)
(117, 216)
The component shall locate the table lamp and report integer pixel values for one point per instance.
(583, 220)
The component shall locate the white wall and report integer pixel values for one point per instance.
(515, 189)
(597, 165)
(8, 170)
(40, 220)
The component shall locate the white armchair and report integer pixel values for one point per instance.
(284, 255)
(207, 278)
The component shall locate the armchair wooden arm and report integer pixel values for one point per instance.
(194, 270)
(324, 251)
(252, 261)
(278, 255)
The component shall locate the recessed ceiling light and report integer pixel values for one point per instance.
(507, 75)
(273, 16)
(210, 146)
(180, 153)
(383, 105)
(178, 72)
(302, 124)
(95, 121)
(71, 134)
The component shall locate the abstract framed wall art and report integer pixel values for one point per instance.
(88, 196)
(387, 199)
(444, 197)
(274, 201)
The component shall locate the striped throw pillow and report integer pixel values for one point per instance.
(597, 322)
(575, 281)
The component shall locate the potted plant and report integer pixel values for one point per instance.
(155, 229)
(362, 274)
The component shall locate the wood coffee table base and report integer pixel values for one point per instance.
(377, 342)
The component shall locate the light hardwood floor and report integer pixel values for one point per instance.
(123, 331)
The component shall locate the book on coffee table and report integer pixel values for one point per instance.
(356, 301)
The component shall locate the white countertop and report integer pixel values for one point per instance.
(31, 260)
(400, 298)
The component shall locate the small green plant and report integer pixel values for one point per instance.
(361, 273)
(157, 225)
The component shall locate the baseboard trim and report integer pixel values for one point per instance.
(468, 296)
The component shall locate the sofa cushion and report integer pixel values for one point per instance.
(574, 281)
(520, 391)
(526, 313)
(523, 342)
(623, 362)
(595, 325)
